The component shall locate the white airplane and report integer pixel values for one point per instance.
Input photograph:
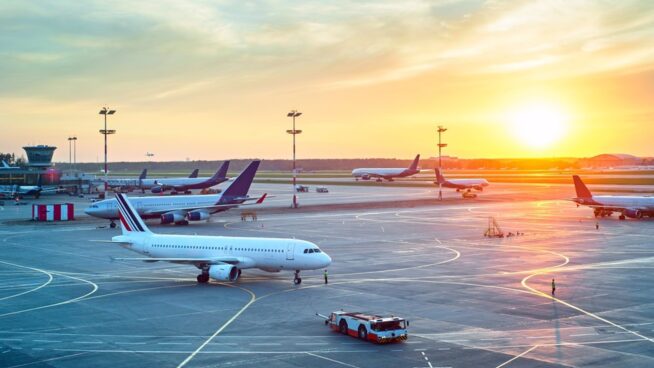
(460, 184)
(5, 166)
(386, 173)
(627, 206)
(220, 258)
(182, 209)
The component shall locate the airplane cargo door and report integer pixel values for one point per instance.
(289, 251)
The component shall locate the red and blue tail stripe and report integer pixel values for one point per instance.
(129, 218)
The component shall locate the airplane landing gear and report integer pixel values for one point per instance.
(112, 224)
(622, 217)
(203, 278)
(297, 280)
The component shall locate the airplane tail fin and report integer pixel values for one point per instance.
(414, 164)
(194, 174)
(440, 179)
(241, 185)
(222, 172)
(5, 164)
(144, 173)
(581, 188)
(130, 221)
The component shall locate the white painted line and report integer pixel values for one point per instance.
(129, 343)
(587, 334)
(11, 339)
(310, 343)
(266, 343)
(87, 342)
(46, 341)
(173, 343)
(332, 360)
(253, 298)
(517, 356)
(443, 348)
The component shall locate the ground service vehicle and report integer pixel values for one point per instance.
(322, 190)
(301, 188)
(368, 327)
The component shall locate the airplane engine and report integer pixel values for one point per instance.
(479, 188)
(169, 218)
(198, 215)
(633, 213)
(157, 190)
(223, 272)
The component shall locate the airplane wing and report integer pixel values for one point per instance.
(217, 260)
(160, 211)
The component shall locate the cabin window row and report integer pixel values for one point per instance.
(216, 248)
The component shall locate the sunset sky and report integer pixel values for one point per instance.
(215, 79)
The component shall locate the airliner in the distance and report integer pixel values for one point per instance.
(460, 184)
(182, 209)
(627, 206)
(386, 173)
(220, 258)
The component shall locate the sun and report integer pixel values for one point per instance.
(538, 125)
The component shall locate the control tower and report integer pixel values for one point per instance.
(39, 156)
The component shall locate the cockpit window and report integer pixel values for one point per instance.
(316, 250)
(310, 250)
(306, 251)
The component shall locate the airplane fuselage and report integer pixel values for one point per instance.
(268, 254)
(145, 206)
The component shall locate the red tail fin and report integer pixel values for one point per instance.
(580, 187)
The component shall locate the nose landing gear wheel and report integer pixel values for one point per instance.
(297, 280)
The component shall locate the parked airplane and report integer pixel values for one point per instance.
(627, 206)
(20, 191)
(185, 185)
(5, 166)
(125, 184)
(460, 184)
(182, 209)
(220, 258)
(387, 173)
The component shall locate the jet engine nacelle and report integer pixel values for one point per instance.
(198, 215)
(223, 272)
(157, 190)
(169, 218)
(633, 213)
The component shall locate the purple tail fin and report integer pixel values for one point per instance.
(241, 185)
(222, 172)
(440, 179)
(414, 164)
(581, 188)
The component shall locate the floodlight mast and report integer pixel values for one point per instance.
(294, 114)
(440, 130)
(106, 111)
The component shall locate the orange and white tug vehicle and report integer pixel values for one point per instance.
(367, 326)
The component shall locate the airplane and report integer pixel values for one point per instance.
(460, 184)
(220, 258)
(627, 206)
(185, 185)
(126, 184)
(20, 191)
(5, 166)
(386, 173)
(182, 209)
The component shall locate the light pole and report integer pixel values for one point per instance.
(105, 111)
(72, 140)
(440, 130)
(294, 114)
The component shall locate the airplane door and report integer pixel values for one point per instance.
(289, 251)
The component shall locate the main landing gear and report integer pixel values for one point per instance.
(203, 278)
(297, 280)
(112, 224)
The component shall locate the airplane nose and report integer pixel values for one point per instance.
(327, 260)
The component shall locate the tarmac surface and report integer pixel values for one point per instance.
(472, 301)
